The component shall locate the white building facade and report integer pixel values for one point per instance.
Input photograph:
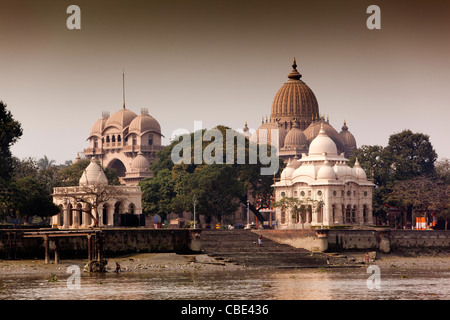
(93, 197)
(329, 192)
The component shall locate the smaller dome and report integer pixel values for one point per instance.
(326, 172)
(140, 163)
(99, 125)
(295, 138)
(144, 123)
(305, 170)
(322, 144)
(121, 119)
(359, 172)
(347, 138)
(263, 134)
(93, 175)
(288, 171)
(342, 170)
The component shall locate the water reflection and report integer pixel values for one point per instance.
(249, 284)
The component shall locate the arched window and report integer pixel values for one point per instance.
(354, 214)
(131, 208)
(119, 138)
(348, 213)
(365, 211)
(107, 139)
(113, 139)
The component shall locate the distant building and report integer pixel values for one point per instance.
(330, 192)
(296, 120)
(93, 194)
(126, 142)
(317, 173)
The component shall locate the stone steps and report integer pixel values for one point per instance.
(241, 247)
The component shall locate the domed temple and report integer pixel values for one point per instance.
(126, 142)
(296, 121)
(329, 192)
(326, 190)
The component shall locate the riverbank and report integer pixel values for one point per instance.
(132, 263)
(151, 262)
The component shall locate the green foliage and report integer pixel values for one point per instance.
(10, 132)
(407, 159)
(219, 188)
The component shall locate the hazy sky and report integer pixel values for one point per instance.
(222, 62)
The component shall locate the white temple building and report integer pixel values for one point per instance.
(328, 190)
(93, 197)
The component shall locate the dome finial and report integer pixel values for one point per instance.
(344, 127)
(294, 73)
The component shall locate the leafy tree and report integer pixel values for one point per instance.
(412, 154)
(45, 163)
(190, 178)
(158, 193)
(10, 132)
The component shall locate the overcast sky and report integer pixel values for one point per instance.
(222, 62)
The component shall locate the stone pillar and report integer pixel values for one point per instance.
(66, 216)
(110, 215)
(100, 215)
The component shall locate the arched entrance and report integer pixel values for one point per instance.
(118, 165)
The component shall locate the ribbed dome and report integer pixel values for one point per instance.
(93, 175)
(140, 163)
(121, 119)
(144, 123)
(294, 100)
(263, 134)
(347, 138)
(295, 138)
(99, 125)
(322, 144)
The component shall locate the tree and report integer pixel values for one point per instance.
(45, 163)
(10, 132)
(420, 193)
(244, 177)
(412, 154)
(215, 188)
(407, 155)
(158, 193)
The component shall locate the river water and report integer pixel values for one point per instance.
(286, 284)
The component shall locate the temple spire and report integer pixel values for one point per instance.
(123, 87)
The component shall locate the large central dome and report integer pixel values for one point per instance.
(295, 101)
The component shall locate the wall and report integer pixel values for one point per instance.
(116, 241)
(371, 240)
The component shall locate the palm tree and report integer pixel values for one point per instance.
(44, 163)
